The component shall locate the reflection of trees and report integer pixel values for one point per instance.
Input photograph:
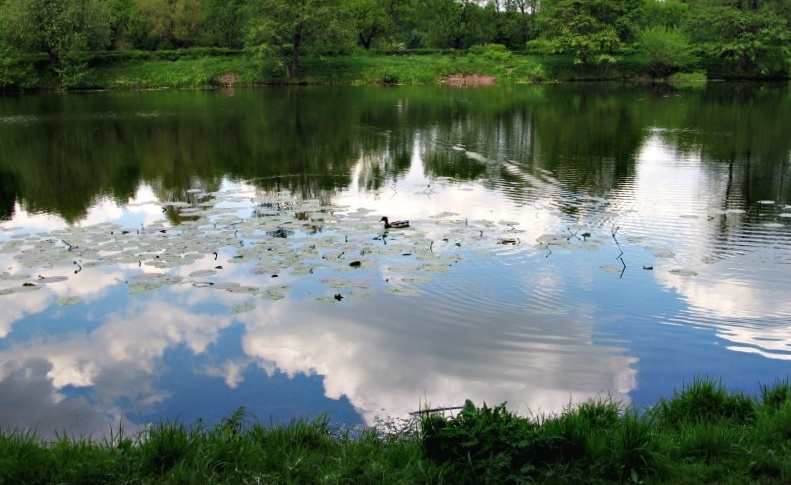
(743, 126)
(587, 136)
(308, 141)
(590, 136)
(8, 192)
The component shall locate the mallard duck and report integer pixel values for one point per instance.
(394, 224)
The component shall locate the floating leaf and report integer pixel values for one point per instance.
(274, 293)
(398, 290)
(683, 272)
(227, 285)
(242, 289)
(17, 276)
(69, 300)
(203, 272)
(611, 269)
(52, 279)
(243, 307)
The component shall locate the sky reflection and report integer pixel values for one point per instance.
(540, 297)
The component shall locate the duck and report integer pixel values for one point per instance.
(394, 224)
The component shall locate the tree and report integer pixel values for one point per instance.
(746, 39)
(456, 24)
(590, 29)
(56, 27)
(167, 24)
(666, 50)
(225, 22)
(668, 13)
(523, 17)
(62, 29)
(284, 29)
(373, 19)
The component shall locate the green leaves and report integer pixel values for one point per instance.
(665, 50)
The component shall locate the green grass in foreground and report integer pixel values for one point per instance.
(703, 434)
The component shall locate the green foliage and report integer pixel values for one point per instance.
(598, 441)
(731, 39)
(669, 14)
(740, 43)
(666, 51)
(590, 30)
(493, 52)
(479, 445)
(777, 395)
(705, 401)
(373, 20)
(454, 24)
(286, 30)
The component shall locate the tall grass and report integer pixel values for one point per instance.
(702, 434)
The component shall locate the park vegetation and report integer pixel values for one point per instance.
(702, 434)
(68, 44)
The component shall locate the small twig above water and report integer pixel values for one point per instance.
(436, 410)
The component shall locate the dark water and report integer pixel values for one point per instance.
(190, 252)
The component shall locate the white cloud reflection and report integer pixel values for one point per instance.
(738, 288)
(391, 360)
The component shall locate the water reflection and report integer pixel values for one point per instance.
(555, 229)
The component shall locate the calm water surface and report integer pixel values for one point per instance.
(178, 254)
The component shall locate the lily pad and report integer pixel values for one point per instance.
(20, 289)
(69, 300)
(611, 269)
(202, 272)
(683, 272)
(243, 307)
(404, 291)
(52, 279)
(242, 289)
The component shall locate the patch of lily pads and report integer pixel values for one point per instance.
(273, 240)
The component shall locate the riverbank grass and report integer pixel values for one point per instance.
(246, 69)
(702, 434)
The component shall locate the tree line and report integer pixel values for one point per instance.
(727, 38)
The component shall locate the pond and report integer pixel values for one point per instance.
(180, 254)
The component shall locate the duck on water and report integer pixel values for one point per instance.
(394, 224)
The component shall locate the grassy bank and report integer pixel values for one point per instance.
(703, 434)
(195, 69)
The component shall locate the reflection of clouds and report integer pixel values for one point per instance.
(230, 371)
(411, 198)
(393, 360)
(90, 285)
(748, 313)
(746, 285)
(728, 297)
(29, 399)
(119, 359)
(15, 307)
